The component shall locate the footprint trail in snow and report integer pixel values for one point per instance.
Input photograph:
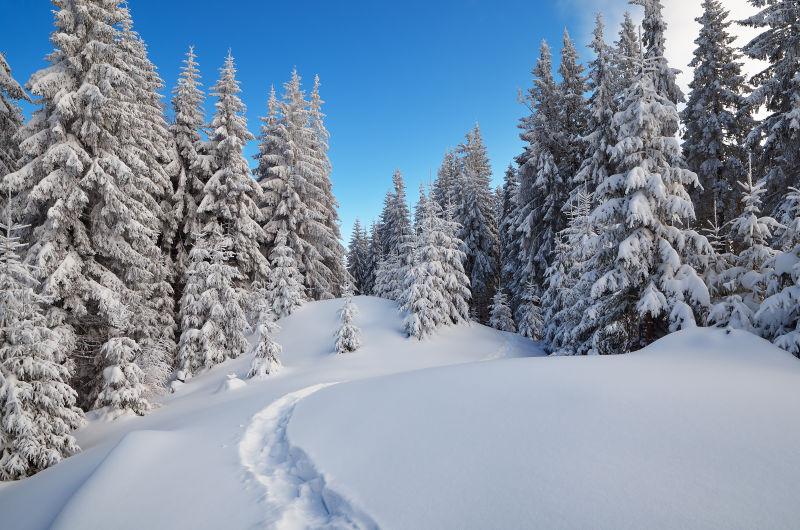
(296, 496)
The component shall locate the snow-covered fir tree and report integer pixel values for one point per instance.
(285, 283)
(506, 236)
(645, 286)
(542, 191)
(92, 185)
(358, 259)
(529, 315)
(446, 188)
(122, 390)
(654, 28)
(743, 282)
(37, 405)
(187, 127)
(397, 239)
(572, 120)
(599, 133)
(231, 195)
(293, 172)
(328, 241)
(501, 317)
(716, 117)
(10, 122)
(348, 336)
(625, 51)
(568, 296)
(373, 259)
(777, 87)
(476, 215)
(436, 287)
(213, 322)
(266, 353)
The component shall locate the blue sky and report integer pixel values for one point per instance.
(403, 81)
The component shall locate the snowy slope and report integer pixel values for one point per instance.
(698, 431)
(199, 461)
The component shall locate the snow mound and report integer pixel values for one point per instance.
(698, 431)
(232, 382)
(180, 465)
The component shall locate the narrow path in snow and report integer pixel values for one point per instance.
(296, 496)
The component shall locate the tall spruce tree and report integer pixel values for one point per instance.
(654, 28)
(188, 125)
(716, 117)
(292, 171)
(37, 406)
(645, 286)
(476, 215)
(358, 259)
(572, 120)
(446, 188)
(90, 183)
(231, 195)
(777, 87)
(743, 283)
(541, 190)
(10, 123)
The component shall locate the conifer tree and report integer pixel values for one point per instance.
(501, 313)
(476, 215)
(572, 119)
(285, 283)
(599, 134)
(10, 122)
(645, 285)
(266, 354)
(93, 185)
(716, 117)
(777, 87)
(213, 322)
(436, 287)
(446, 188)
(328, 241)
(529, 320)
(122, 390)
(506, 227)
(293, 174)
(653, 29)
(541, 190)
(37, 406)
(348, 336)
(625, 52)
(358, 259)
(230, 194)
(187, 104)
(743, 283)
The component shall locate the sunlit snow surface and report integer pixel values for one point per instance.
(461, 431)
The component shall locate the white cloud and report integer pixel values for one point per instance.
(682, 27)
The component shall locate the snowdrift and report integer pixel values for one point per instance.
(698, 431)
(189, 464)
(472, 428)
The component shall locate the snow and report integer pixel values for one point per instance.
(697, 431)
(470, 428)
(179, 466)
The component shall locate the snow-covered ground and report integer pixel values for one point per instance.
(196, 462)
(465, 430)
